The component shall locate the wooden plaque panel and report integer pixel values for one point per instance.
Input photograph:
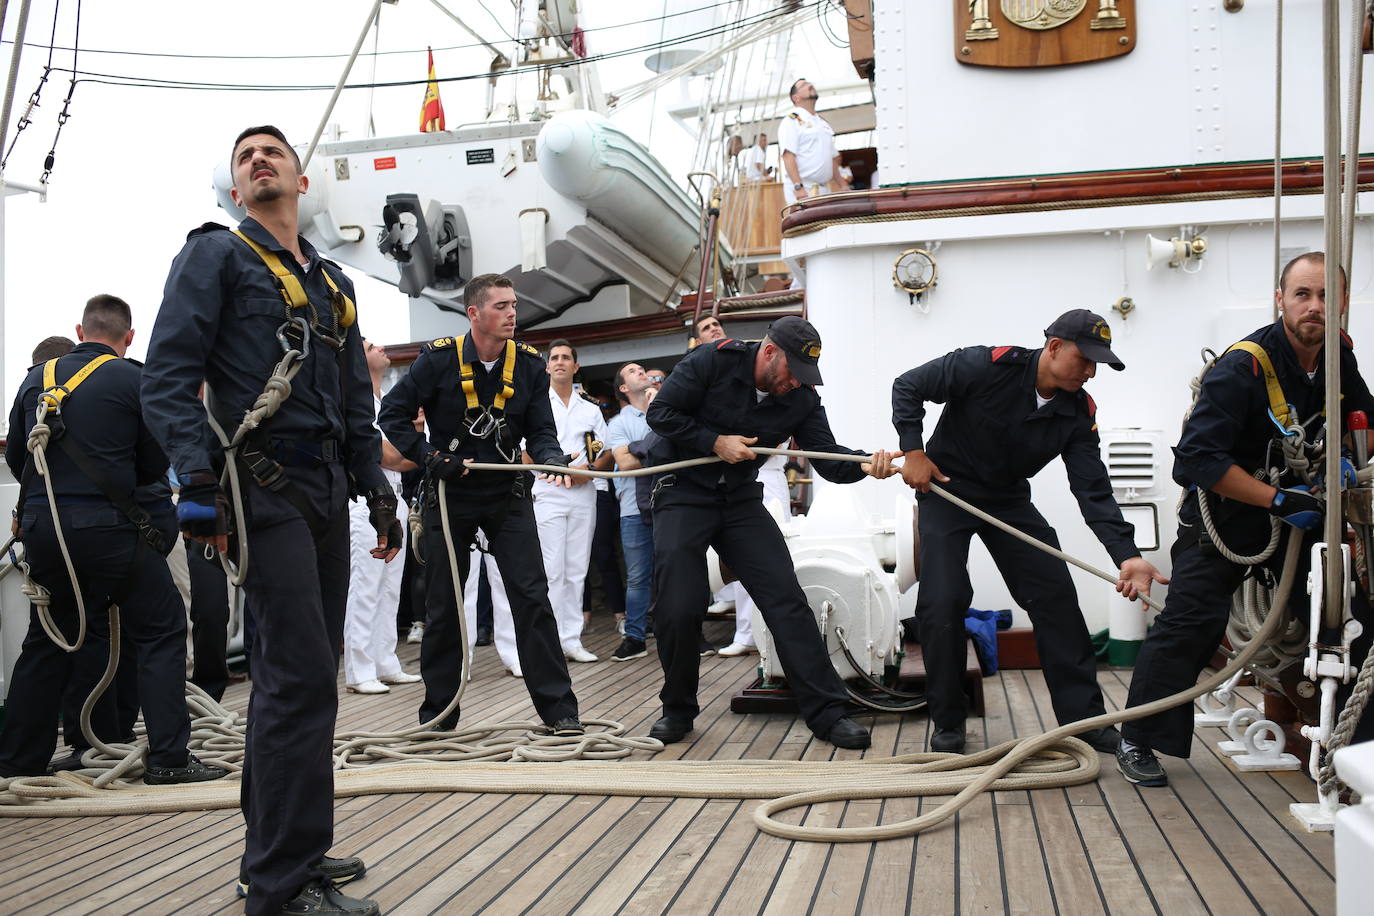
(1074, 42)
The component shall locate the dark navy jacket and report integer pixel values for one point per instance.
(218, 322)
(711, 393)
(1230, 422)
(102, 418)
(991, 438)
(434, 383)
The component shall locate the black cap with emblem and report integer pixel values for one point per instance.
(797, 338)
(1089, 331)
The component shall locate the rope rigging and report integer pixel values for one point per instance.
(24, 119)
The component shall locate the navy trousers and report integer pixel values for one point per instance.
(113, 566)
(296, 588)
(749, 542)
(508, 522)
(1039, 584)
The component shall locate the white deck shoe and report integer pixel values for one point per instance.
(399, 677)
(372, 686)
(579, 654)
(735, 649)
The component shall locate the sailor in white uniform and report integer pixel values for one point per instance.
(753, 161)
(810, 159)
(567, 515)
(503, 624)
(374, 589)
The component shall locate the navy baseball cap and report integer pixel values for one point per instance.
(1089, 331)
(797, 338)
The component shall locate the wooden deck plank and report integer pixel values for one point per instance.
(658, 890)
(1107, 846)
(1281, 871)
(619, 886)
(936, 869)
(468, 851)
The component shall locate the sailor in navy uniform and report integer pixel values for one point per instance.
(1229, 437)
(1008, 412)
(720, 399)
(99, 451)
(480, 409)
(233, 303)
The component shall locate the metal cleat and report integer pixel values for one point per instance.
(1219, 705)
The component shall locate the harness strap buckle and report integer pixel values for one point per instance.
(481, 423)
(288, 340)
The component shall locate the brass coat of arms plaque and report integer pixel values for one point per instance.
(1042, 33)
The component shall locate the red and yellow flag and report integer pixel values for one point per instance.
(432, 114)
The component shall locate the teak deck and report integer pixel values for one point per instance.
(1213, 842)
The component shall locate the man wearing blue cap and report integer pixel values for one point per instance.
(721, 399)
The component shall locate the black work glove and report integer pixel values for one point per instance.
(1298, 507)
(445, 465)
(202, 509)
(381, 513)
(561, 461)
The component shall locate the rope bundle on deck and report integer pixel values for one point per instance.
(421, 760)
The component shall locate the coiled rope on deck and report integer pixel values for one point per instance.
(1054, 759)
(423, 754)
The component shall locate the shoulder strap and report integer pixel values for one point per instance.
(289, 285)
(468, 379)
(54, 393)
(1278, 404)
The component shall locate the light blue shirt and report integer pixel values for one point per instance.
(625, 427)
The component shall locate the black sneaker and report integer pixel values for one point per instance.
(628, 649)
(67, 764)
(1138, 765)
(704, 648)
(321, 898)
(193, 771)
(568, 727)
(1106, 740)
(340, 871)
(948, 740)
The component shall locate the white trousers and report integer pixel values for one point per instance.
(566, 522)
(503, 624)
(374, 592)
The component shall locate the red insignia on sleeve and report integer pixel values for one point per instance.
(999, 352)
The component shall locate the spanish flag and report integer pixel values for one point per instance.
(432, 115)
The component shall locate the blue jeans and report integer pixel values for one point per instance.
(638, 541)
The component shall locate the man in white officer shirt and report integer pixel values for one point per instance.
(810, 159)
(567, 515)
(753, 162)
(374, 589)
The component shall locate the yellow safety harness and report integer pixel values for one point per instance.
(293, 292)
(51, 397)
(54, 394)
(1278, 404)
(487, 421)
(465, 373)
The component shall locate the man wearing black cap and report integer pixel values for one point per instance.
(721, 399)
(1008, 412)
